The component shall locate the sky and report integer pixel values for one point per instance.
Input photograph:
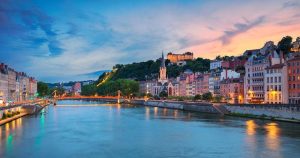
(68, 40)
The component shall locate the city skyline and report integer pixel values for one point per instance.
(72, 39)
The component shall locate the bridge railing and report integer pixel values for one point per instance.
(87, 97)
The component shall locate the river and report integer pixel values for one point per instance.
(81, 129)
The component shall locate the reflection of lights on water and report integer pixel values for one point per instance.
(189, 115)
(175, 113)
(19, 122)
(165, 111)
(272, 137)
(251, 127)
(13, 125)
(147, 113)
(155, 111)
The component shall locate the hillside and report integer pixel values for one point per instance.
(149, 70)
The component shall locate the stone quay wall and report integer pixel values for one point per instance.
(181, 105)
(283, 111)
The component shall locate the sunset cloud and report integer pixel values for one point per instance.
(67, 39)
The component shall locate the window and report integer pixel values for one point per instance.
(279, 87)
(279, 96)
(275, 79)
(271, 79)
(267, 79)
(279, 79)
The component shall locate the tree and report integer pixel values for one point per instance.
(42, 89)
(89, 90)
(197, 97)
(285, 44)
(207, 96)
(126, 86)
(59, 91)
(149, 95)
(218, 98)
(218, 57)
(163, 94)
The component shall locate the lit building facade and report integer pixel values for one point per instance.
(294, 80)
(254, 79)
(3, 83)
(276, 80)
(202, 83)
(232, 89)
(12, 75)
(174, 58)
(15, 86)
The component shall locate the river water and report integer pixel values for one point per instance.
(80, 129)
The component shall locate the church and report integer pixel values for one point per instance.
(162, 83)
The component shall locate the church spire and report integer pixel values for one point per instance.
(162, 60)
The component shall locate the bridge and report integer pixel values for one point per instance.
(113, 99)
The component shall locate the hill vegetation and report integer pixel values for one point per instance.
(149, 70)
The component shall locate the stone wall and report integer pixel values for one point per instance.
(188, 106)
(284, 111)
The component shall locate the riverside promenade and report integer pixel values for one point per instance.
(20, 109)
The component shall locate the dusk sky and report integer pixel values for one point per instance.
(64, 40)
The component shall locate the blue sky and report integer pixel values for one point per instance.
(63, 40)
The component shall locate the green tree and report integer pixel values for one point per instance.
(207, 96)
(126, 86)
(218, 98)
(285, 44)
(89, 90)
(42, 89)
(163, 94)
(59, 91)
(197, 97)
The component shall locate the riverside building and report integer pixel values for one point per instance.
(15, 86)
(294, 80)
(254, 79)
(275, 80)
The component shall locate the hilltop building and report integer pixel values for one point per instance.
(174, 58)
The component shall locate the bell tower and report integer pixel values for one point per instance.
(163, 71)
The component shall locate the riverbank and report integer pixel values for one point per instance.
(278, 112)
(286, 113)
(7, 120)
(13, 112)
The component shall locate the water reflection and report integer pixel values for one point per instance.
(129, 131)
(251, 127)
(147, 113)
(155, 111)
(272, 137)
